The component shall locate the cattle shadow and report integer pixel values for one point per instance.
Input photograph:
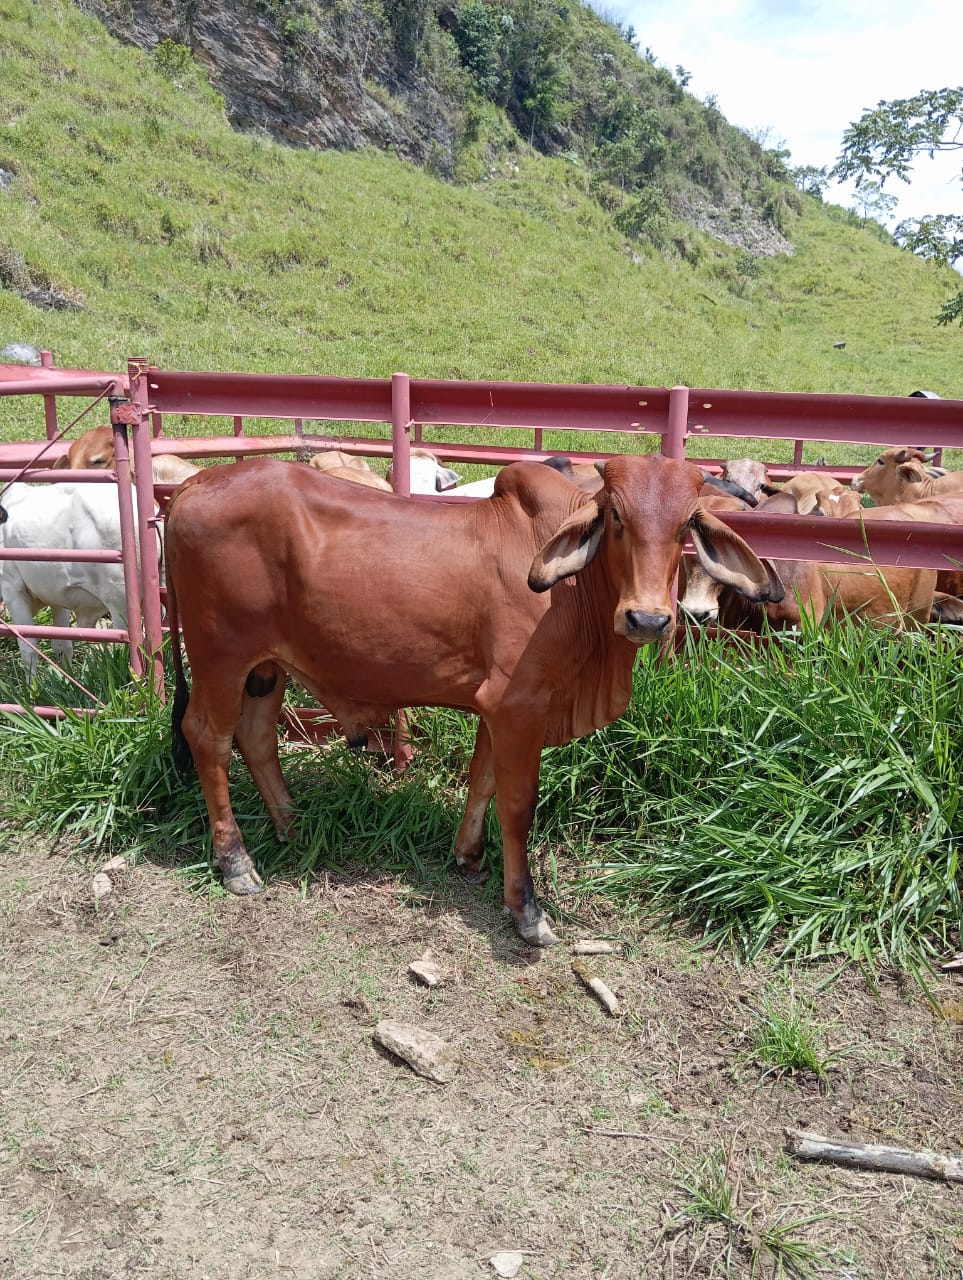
(362, 825)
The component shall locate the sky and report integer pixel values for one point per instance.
(804, 70)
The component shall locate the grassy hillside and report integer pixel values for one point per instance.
(159, 231)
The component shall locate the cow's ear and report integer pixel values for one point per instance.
(807, 504)
(728, 559)
(570, 549)
(912, 473)
(62, 462)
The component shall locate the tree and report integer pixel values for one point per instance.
(811, 179)
(873, 202)
(885, 141)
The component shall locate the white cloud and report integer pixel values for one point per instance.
(807, 70)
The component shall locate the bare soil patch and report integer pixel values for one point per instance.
(189, 1087)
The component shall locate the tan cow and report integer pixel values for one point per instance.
(337, 460)
(903, 475)
(527, 608)
(94, 450)
(749, 475)
(894, 597)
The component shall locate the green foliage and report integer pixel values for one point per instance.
(827, 815)
(173, 60)
(873, 202)
(888, 138)
(407, 20)
(478, 34)
(774, 1247)
(811, 179)
(886, 141)
(645, 215)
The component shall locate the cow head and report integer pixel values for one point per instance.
(636, 526)
(93, 450)
(883, 480)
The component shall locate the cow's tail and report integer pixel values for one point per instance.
(180, 749)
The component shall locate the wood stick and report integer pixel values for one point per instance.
(919, 1164)
(602, 993)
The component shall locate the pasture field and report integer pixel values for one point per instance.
(189, 1085)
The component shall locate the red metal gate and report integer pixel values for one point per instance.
(623, 418)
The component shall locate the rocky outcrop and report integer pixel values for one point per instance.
(735, 223)
(323, 82)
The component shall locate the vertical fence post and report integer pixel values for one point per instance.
(147, 528)
(673, 438)
(128, 546)
(401, 434)
(49, 402)
(673, 446)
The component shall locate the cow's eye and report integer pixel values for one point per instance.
(616, 518)
(879, 462)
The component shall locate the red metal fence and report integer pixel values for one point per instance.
(140, 399)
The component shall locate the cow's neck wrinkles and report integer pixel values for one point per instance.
(597, 679)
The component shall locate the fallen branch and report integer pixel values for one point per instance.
(919, 1164)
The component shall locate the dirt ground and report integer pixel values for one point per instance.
(189, 1087)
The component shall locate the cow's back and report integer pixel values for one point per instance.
(365, 597)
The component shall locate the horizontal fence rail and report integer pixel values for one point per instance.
(324, 413)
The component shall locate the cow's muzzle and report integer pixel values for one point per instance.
(644, 628)
(701, 617)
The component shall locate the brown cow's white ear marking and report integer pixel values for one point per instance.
(570, 549)
(728, 559)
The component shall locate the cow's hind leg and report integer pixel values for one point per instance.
(209, 725)
(481, 788)
(256, 737)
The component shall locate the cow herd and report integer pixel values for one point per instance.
(526, 607)
(904, 487)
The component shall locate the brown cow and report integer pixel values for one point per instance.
(94, 450)
(527, 608)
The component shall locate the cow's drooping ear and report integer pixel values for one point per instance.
(807, 504)
(911, 472)
(62, 462)
(728, 559)
(570, 549)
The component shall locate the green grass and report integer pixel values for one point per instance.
(802, 796)
(785, 1040)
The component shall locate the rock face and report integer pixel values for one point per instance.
(326, 81)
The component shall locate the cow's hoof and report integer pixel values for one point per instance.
(244, 883)
(535, 930)
(473, 873)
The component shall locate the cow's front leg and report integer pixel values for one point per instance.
(517, 752)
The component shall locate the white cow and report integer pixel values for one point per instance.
(84, 517)
(428, 475)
